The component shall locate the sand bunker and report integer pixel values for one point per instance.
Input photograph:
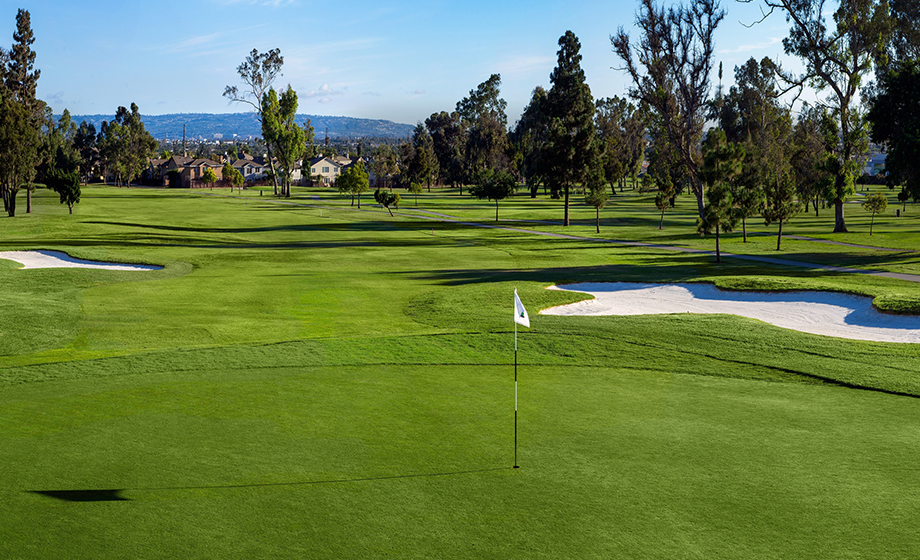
(827, 313)
(57, 259)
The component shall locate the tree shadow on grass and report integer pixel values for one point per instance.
(114, 495)
(687, 268)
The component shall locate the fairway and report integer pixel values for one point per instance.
(306, 380)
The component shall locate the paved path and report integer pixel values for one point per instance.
(436, 217)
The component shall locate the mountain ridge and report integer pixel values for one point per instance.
(223, 126)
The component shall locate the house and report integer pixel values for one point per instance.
(326, 169)
(183, 171)
(250, 169)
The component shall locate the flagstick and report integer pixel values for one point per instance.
(515, 395)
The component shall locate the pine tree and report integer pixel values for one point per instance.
(571, 152)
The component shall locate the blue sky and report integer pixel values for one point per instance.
(399, 61)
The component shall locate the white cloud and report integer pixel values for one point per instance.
(324, 93)
(56, 99)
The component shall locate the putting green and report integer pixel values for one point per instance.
(414, 462)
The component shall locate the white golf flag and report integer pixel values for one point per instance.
(520, 314)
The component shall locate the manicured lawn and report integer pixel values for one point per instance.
(339, 385)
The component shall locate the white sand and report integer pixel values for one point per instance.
(57, 259)
(825, 313)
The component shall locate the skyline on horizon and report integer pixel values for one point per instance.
(375, 60)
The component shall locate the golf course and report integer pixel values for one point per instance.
(306, 379)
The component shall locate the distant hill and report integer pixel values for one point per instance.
(211, 126)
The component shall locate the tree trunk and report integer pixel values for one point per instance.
(70, 208)
(779, 236)
(661, 221)
(566, 221)
(872, 221)
(271, 165)
(840, 225)
(29, 200)
(597, 219)
(718, 252)
(533, 191)
(697, 188)
(11, 207)
(496, 210)
(744, 229)
(816, 206)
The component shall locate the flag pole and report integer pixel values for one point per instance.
(515, 395)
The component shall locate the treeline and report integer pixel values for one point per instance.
(565, 141)
(762, 160)
(34, 148)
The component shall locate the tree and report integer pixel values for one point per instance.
(752, 115)
(387, 199)
(875, 202)
(84, 142)
(596, 195)
(483, 114)
(385, 164)
(572, 153)
(448, 136)
(19, 143)
(905, 40)
(663, 165)
(722, 162)
(415, 188)
(528, 140)
(837, 56)
(781, 203)
(209, 177)
(258, 71)
(21, 117)
(64, 175)
(813, 141)
(670, 72)
(353, 181)
(664, 200)
(895, 120)
(280, 130)
(125, 145)
(422, 163)
(493, 185)
(233, 176)
(622, 135)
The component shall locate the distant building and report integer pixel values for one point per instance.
(875, 165)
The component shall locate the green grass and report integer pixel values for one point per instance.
(340, 386)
